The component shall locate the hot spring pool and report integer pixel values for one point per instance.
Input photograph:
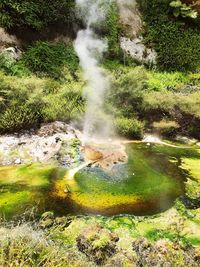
(147, 184)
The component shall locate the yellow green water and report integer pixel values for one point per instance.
(149, 183)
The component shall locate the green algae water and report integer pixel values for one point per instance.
(147, 184)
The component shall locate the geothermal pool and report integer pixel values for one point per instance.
(147, 184)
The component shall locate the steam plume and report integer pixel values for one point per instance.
(90, 49)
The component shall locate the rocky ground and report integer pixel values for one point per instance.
(44, 145)
(56, 143)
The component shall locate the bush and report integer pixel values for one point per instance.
(35, 14)
(176, 40)
(19, 116)
(20, 106)
(49, 59)
(27, 102)
(28, 245)
(12, 67)
(158, 81)
(127, 91)
(129, 127)
(66, 105)
(113, 31)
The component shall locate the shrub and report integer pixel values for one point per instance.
(27, 102)
(12, 67)
(113, 31)
(27, 245)
(20, 107)
(35, 14)
(158, 81)
(65, 105)
(176, 41)
(127, 91)
(49, 59)
(181, 9)
(129, 127)
(18, 116)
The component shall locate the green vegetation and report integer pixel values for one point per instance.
(44, 59)
(32, 14)
(26, 246)
(168, 102)
(129, 127)
(183, 10)
(52, 60)
(113, 31)
(176, 41)
(26, 102)
(46, 85)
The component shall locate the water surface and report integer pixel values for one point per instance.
(148, 183)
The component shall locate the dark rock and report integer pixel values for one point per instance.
(190, 203)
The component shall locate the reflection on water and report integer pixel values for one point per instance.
(149, 183)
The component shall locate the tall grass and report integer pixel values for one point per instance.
(25, 245)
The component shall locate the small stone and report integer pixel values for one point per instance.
(18, 161)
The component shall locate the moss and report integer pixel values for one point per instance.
(73, 230)
(102, 242)
(192, 166)
(10, 202)
(25, 185)
(30, 175)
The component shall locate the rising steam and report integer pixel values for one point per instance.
(90, 49)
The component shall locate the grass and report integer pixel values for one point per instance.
(28, 101)
(25, 246)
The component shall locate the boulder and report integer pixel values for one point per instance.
(130, 18)
(13, 53)
(138, 51)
